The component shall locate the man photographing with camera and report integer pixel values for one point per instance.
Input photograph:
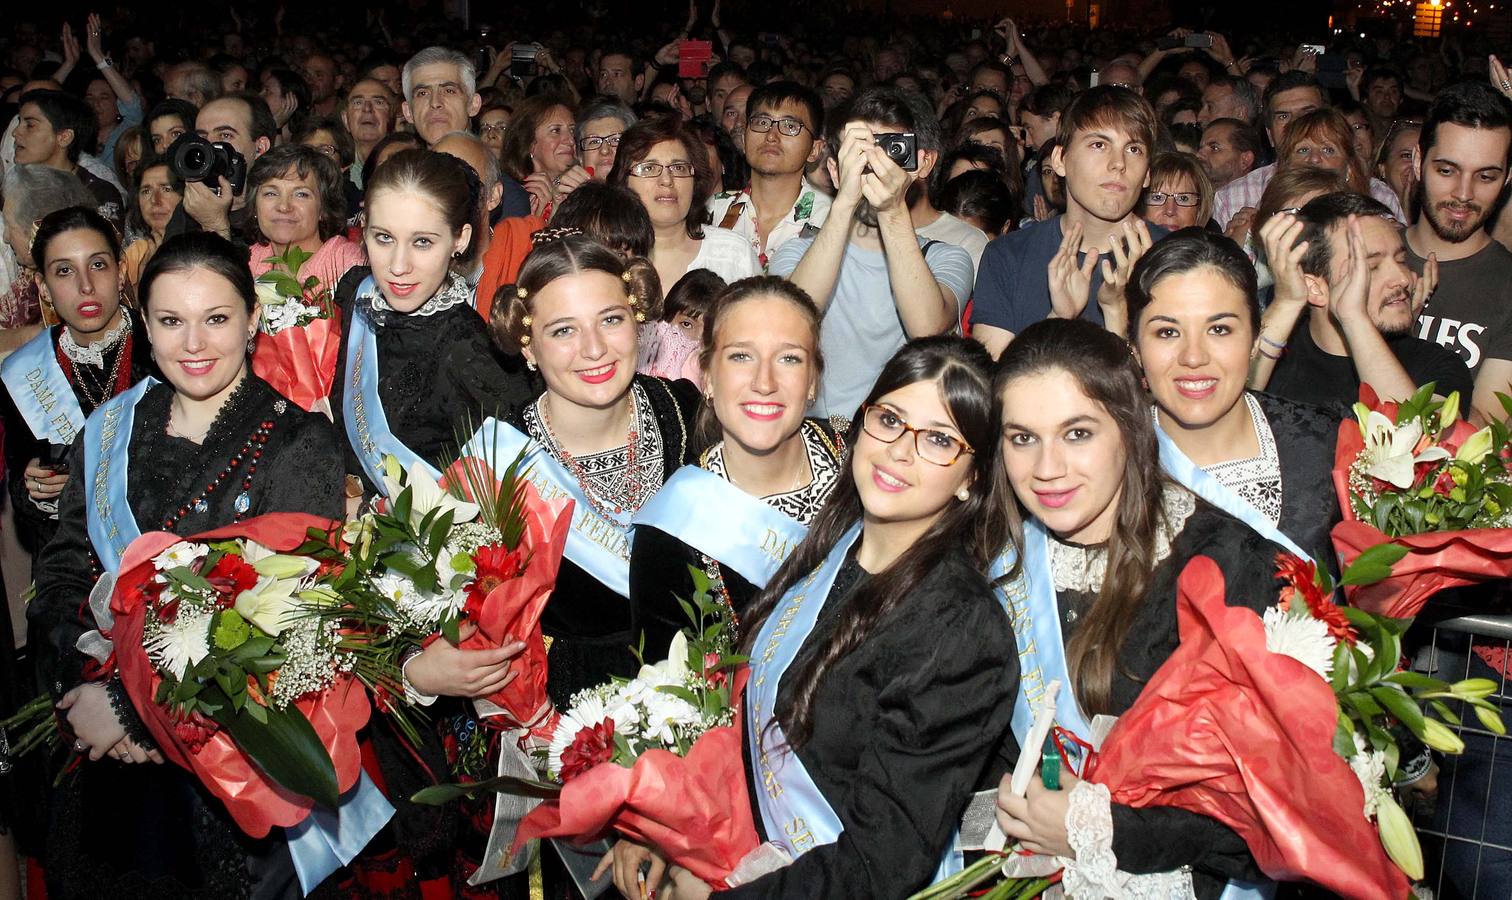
(877, 282)
(212, 202)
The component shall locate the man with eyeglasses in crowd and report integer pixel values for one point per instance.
(601, 124)
(369, 117)
(780, 142)
(878, 283)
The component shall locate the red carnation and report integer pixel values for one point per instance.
(1302, 581)
(496, 564)
(590, 747)
(230, 576)
(194, 730)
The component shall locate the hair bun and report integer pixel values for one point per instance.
(547, 235)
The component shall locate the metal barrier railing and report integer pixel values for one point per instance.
(1466, 829)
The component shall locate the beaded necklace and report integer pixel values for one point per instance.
(253, 448)
(632, 474)
(118, 380)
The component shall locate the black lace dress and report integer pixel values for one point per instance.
(140, 831)
(438, 371)
(659, 562)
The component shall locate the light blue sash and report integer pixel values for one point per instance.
(41, 391)
(796, 815)
(1199, 482)
(107, 444)
(721, 521)
(1031, 605)
(361, 408)
(599, 542)
(330, 838)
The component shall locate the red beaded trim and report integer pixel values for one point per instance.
(253, 448)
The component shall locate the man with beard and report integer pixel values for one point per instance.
(877, 282)
(1103, 153)
(325, 83)
(1463, 166)
(1360, 297)
(369, 116)
(780, 142)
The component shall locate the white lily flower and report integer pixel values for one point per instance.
(426, 495)
(179, 555)
(1388, 449)
(270, 604)
(673, 669)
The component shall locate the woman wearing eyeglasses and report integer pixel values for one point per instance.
(601, 124)
(1180, 193)
(882, 667)
(667, 168)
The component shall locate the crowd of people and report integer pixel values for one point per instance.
(939, 295)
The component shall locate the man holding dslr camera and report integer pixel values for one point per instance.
(877, 282)
(214, 197)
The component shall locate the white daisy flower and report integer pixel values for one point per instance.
(1303, 638)
(587, 710)
(181, 643)
(179, 555)
(1370, 767)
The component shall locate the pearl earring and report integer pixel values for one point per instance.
(963, 495)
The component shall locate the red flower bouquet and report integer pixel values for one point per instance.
(1231, 730)
(299, 336)
(204, 630)
(1427, 502)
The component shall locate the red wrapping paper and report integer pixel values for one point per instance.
(254, 801)
(1231, 731)
(1435, 560)
(695, 809)
(300, 363)
(512, 611)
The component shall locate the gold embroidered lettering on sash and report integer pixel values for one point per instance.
(799, 834)
(108, 428)
(36, 383)
(359, 405)
(774, 546)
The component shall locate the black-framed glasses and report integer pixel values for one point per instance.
(654, 169)
(595, 141)
(1184, 198)
(931, 445)
(787, 125)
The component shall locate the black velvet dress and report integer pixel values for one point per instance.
(438, 373)
(591, 627)
(904, 728)
(139, 831)
(1155, 839)
(35, 525)
(659, 562)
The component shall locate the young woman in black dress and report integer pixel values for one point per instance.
(1105, 536)
(211, 446)
(882, 667)
(745, 506)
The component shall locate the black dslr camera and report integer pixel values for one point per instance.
(192, 158)
(902, 149)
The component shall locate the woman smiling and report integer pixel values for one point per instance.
(297, 199)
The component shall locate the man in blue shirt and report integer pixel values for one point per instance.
(1103, 153)
(877, 282)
